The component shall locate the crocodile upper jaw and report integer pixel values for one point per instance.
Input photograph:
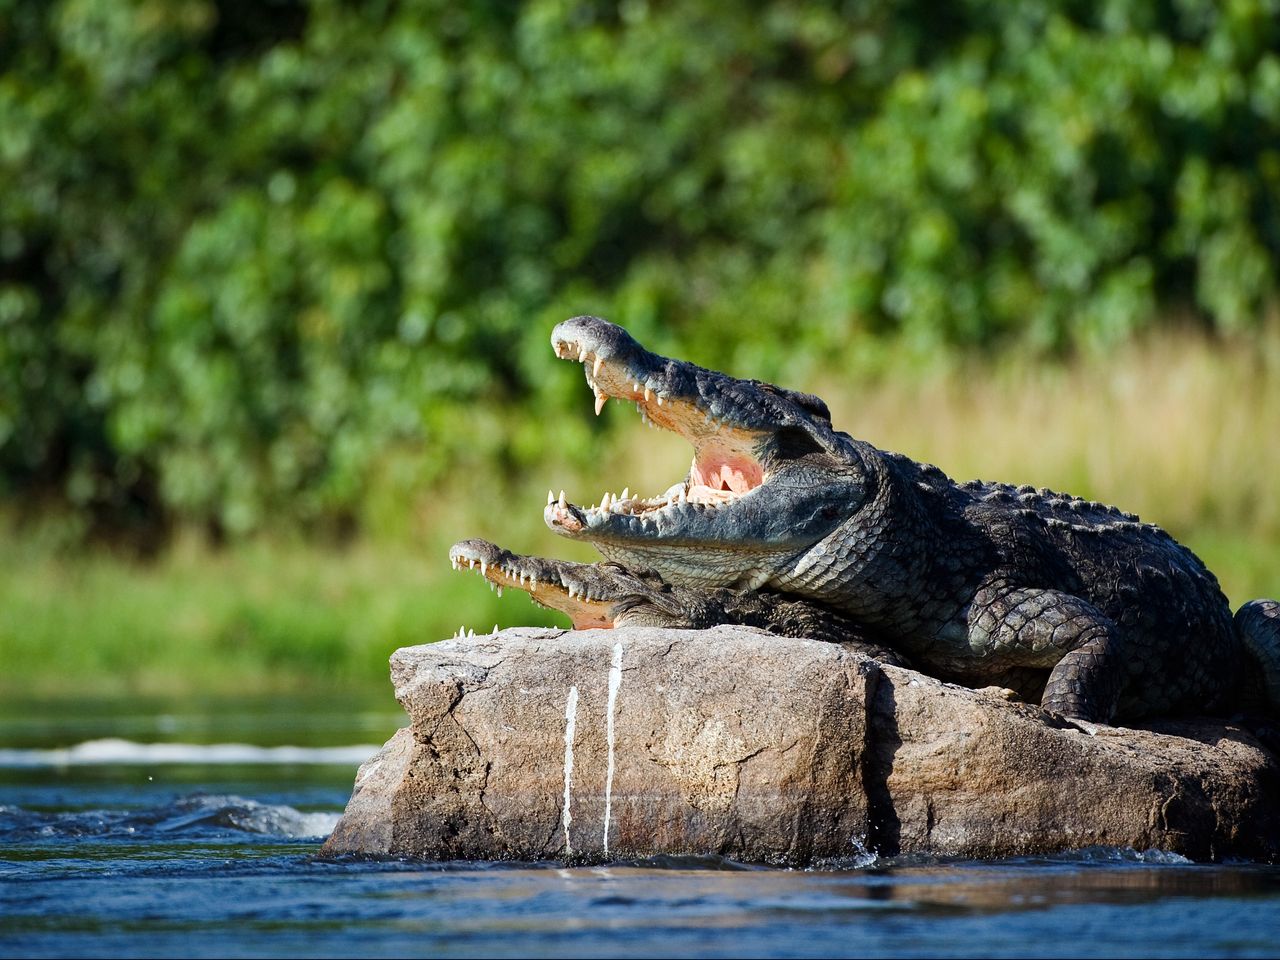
(769, 474)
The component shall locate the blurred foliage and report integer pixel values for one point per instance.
(255, 254)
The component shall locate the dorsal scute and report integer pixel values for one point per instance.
(1071, 510)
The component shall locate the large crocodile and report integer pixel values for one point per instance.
(975, 581)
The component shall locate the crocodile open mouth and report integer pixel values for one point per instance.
(725, 465)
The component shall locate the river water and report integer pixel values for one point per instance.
(151, 830)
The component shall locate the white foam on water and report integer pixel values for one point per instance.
(570, 727)
(615, 682)
(112, 750)
(318, 825)
(251, 816)
(184, 817)
(1101, 854)
(862, 857)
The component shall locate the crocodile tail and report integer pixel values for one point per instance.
(1258, 624)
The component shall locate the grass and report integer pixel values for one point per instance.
(1176, 428)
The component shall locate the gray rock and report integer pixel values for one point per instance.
(606, 744)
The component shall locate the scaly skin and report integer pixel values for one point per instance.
(975, 582)
(607, 595)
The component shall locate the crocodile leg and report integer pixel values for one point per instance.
(1049, 628)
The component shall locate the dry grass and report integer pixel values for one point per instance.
(1174, 428)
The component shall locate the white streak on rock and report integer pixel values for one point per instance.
(615, 681)
(570, 725)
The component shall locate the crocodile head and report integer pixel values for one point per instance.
(770, 477)
(594, 595)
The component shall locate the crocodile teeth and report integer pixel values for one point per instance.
(551, 498)
(563, 504)
(582, 353)
(626, 492)
(659, 399)
(600, 402)
(648, 394)
(498, 591)
(595, 367)
(484, 567)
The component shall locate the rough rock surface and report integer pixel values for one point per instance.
(605, 744)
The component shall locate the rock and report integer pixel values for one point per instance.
(607, 744)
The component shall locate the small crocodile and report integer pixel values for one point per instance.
(607, 595)
(976, 582)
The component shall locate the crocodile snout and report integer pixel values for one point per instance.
(582, 337)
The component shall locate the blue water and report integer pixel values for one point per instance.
(118, 849)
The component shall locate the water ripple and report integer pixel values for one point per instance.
(197, 814)
(114, 751)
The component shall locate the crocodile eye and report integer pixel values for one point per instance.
(793, 443)
(807, 402)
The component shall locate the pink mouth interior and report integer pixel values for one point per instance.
(721, 471)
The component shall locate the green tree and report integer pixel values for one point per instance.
(248, 248)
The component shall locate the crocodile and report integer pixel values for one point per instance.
(975, 582)
(610, 595)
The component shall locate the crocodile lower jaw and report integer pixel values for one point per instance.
(502, 569)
